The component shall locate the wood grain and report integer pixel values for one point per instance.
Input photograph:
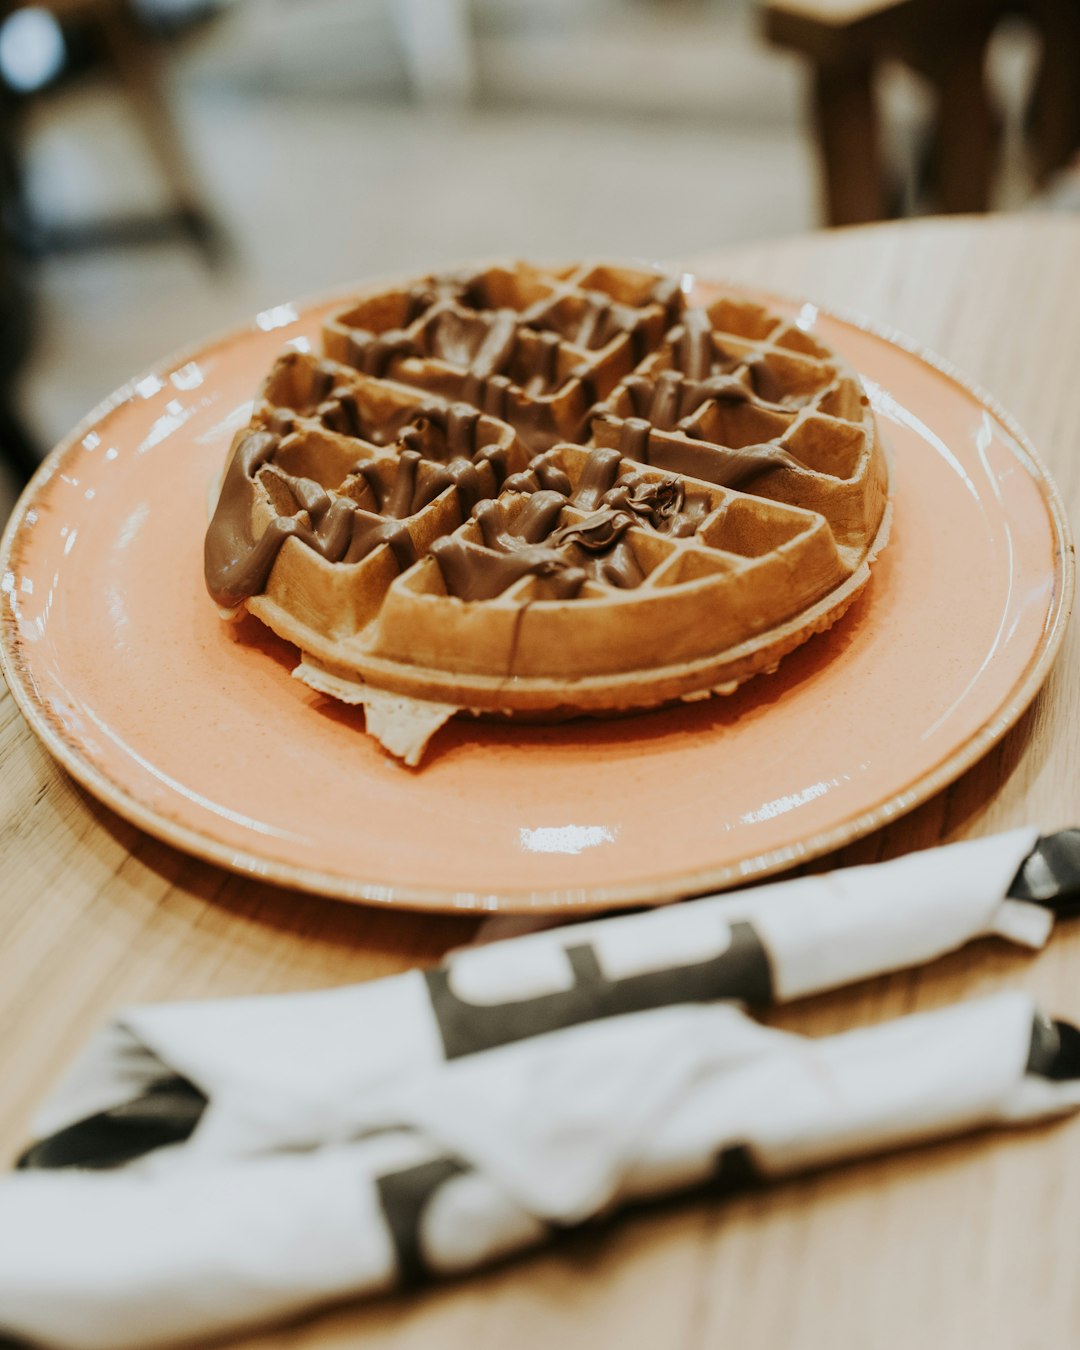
(967, 1243)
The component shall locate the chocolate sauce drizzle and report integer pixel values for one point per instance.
(504, 352)
(593, 321)
(595, 548)
(693, 345)
(237, 565)
(674, 401)
(726, 466)
(665, 505)
(567, 556)
(695, 356)
(513, 361)
(338, 528)
(412, 489)
(680, 402)
(661, 502)
(373, 353)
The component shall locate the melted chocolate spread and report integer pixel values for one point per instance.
(448, 319)
(662, 503)
(593, 548)
(237, 565)
(568, 556)
(719, 464)
(675, 401)
(679, 401)
(437, 448)
(443, 439)
(410, 493)
(594, 322)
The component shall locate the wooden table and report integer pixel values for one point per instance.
(968, 1243)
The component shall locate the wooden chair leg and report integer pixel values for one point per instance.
(967, 126)
(17, 448)
(140, 71)
(1055, 108)
(849, 141)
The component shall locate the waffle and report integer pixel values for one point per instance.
(546, 493)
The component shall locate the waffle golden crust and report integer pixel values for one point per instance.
(547, 493)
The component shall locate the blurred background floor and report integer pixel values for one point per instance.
(596, 127)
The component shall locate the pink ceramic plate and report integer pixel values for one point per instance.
(197, 733)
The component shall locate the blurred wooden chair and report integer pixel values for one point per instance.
(131, 56)
(846, 41)
(17, 448)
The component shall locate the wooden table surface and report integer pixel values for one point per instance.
(968, 1243)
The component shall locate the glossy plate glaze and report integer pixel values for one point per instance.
(196, 732)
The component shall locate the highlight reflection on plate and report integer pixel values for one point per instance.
(197, 732)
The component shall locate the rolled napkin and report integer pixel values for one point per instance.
(156, 1072)
(268, 1154)
(495, 1153)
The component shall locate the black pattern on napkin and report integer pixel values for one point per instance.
(166, 1113)
(741, 972)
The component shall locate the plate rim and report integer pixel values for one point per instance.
(590, 899)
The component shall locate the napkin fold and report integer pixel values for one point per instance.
(277, 1061)
(205, 1166)
(487, 1162)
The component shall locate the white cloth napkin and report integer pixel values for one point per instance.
(273, 1153)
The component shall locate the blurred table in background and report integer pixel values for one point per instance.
(971, 1243)
(847, 41)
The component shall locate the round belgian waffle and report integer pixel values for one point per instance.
(546, 493)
